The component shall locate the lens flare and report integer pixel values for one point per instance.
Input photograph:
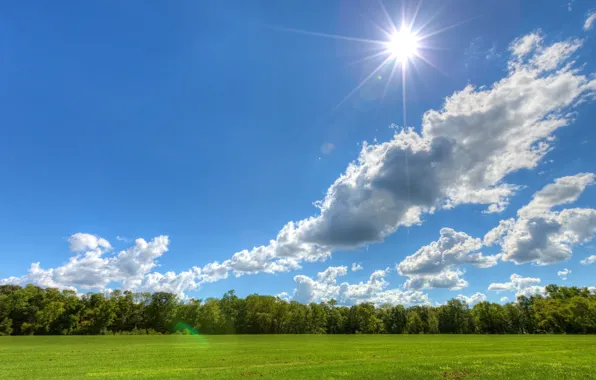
(189, 330)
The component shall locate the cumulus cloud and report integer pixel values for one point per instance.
(496, 235)
(283, 254)
(542, 236)
(563, 273)
(473, 299)
(90, 268)
(589, 260)
(330, 274)
(436, 265)
(284, 296)
(522, 286)
(564, 190)
(589, 21)
(504, 299)
(170, 282)
(37, 275)
(80, 242)
(356, 267)
(325, 288)
(447, 279)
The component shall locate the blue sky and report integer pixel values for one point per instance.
(217, 124)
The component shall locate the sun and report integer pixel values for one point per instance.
(403, 45)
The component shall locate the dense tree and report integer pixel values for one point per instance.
(454, 317)
(34, 310)
(414, 324)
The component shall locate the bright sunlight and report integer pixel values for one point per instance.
(403, 45)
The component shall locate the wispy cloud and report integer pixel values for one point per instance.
(590, 21)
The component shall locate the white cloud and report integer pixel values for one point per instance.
(436, 265)
(563, 273)
(504, 299)
(542, 236)
(526, 45)
(170, 282)
(374, 290)
(589, 21)
(284, 296)
(447, 279)
(356, 267)
(330, 274)
(564, 190)
(497, 234)
(283, 254)
(80, 242)
(90, 268)
(589, 260)
(473, 299)
(38, 276)
(122, 238)
(522, 286)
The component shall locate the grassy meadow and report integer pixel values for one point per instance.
(299, 357)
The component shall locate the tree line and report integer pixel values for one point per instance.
(32, 310)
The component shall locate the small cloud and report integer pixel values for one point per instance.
(356, 267)
(284, 296)
(327, 148)
(478, 51)
(563, 274)
(589, 260)
(589, 21)
(504, 299)
(570, 5)
(123, 239)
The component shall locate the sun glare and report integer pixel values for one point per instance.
(403, 45)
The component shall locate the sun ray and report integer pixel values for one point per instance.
(395, 64)
(389, 19)
(379, 27)
(404, 110)
(413, 21)
(449, 27)
(363, 82)
(403, 93)
(427, 61)
(327, 35)
(368, 58)
(429, 20)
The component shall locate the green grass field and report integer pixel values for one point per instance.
(299, 357)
